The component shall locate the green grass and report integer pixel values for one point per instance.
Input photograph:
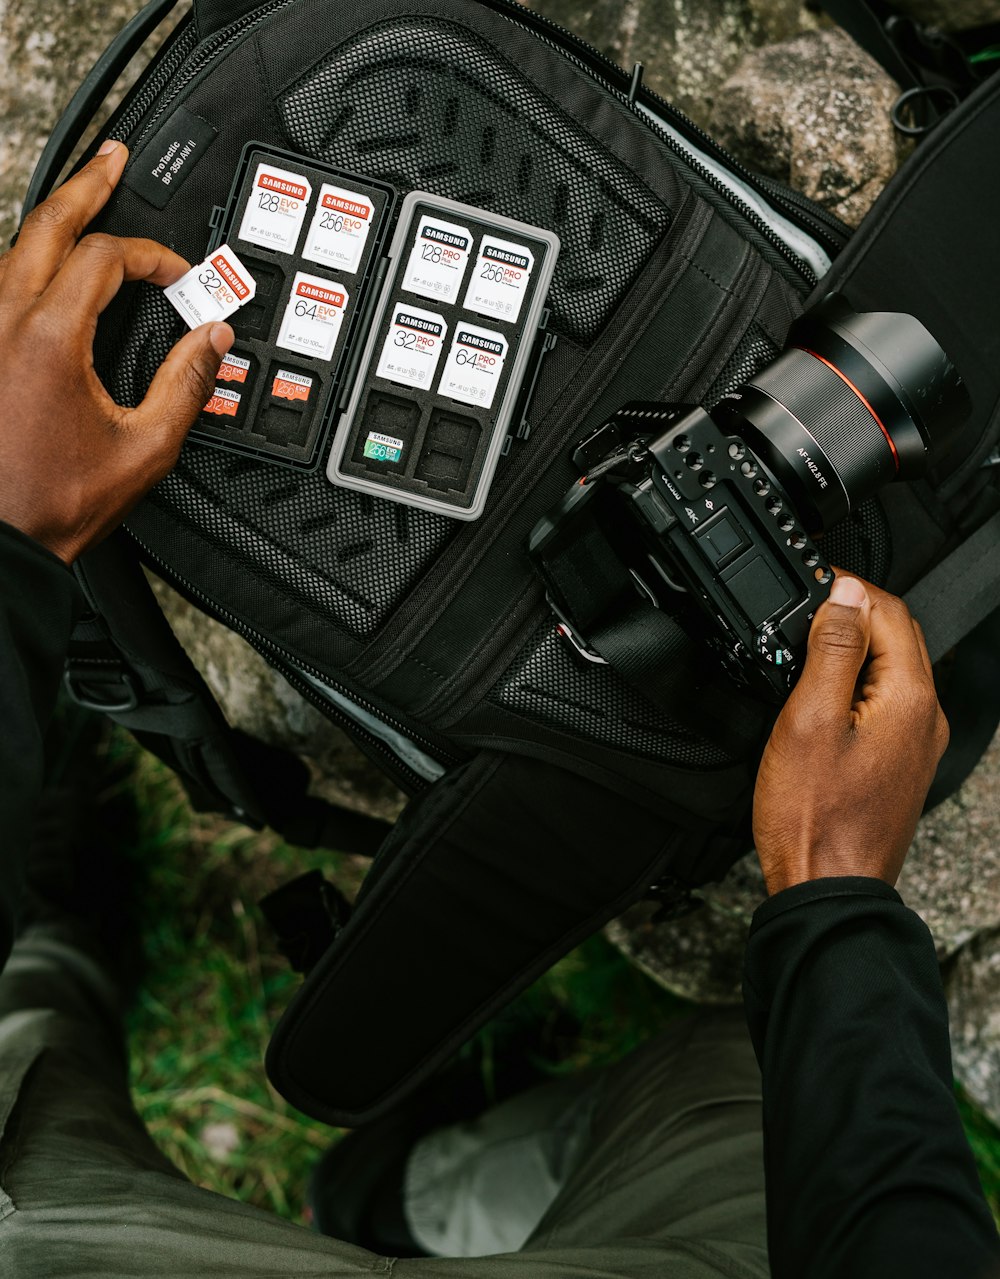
(214, 987)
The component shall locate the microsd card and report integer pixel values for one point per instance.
(313, 316)
(213, 289)
(294, 387)
(339, 228)
(474, 364)
(412, 347)
(225, 402)
(276, 208)
(234, 368)
(383, 448)
(437, 259)
(499, 281)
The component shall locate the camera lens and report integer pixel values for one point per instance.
(855, 400)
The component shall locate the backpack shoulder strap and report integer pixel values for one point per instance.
(958, 606)
(488, 878)
(125, 661)
(959, 592)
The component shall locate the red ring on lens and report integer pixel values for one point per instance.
(847, 380)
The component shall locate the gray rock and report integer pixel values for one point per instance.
(814, 112)
(950, 15)
(46, 49)
(687, 49)
(972, 982)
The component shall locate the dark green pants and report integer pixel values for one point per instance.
(669, 1181)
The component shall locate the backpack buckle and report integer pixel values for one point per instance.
(107, 687)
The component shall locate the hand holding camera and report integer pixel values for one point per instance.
(836, 794)
(715, 517)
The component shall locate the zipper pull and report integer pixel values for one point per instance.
(636, 83)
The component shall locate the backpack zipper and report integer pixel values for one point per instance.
(204, 54)
(834, 232)
(287, 666)
(707, 176)
(177, 48)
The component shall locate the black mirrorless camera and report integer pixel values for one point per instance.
(713, 517)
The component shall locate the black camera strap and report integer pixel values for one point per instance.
(651, 650)
(960, 592)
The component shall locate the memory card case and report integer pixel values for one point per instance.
(419, 359)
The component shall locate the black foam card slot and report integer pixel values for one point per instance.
(389, 426)
(449, 448)
(228, 407)
(256, 318)
(288, 404)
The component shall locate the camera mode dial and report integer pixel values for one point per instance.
(772, 648)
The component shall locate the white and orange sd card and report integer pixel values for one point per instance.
(313, 316)
(339, 229)
(213, 289)
(276, 208)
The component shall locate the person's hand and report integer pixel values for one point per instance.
(72, 462)
(853, 753)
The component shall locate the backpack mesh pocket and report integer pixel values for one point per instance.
(424, 103)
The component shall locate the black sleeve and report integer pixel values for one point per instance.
(867, 1168)
(38, 601)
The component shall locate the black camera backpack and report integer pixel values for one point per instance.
(547, 793)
